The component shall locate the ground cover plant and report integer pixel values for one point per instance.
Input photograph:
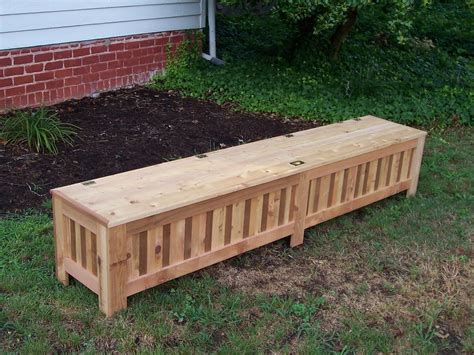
(426, 81)
(394, 277)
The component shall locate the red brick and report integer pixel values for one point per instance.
(107, 57)
(63, 73)
(147, 43)
(132, 45)
(20, 101)
(60, 93)
(88, 78)
(81, 70)
(115, 64)
(140, 52)
(124, 71)
(146, 60)
(14, 71)
(35, 68)
(63, 54)
(23, 59)
(161, 41)
(44, 76)
(81, 52)
(43, 57)
(116, 47)
(54, 84)
(46, 96)
(90, 60)
(75, 80)
(15, 91)
(6, 82)
(68, 63)
(124, 55)
(108, 74)
(53, 65)
(35, 87)
(98, 49)
(21, 80)
(95, 68)
(67, 92)
(5, 62)
(131, 62)
(139, 69)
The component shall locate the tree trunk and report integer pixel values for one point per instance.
(342, 31)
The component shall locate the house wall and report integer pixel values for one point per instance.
(54, 50)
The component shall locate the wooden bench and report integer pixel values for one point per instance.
(125, 233)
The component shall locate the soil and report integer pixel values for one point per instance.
(124, 130)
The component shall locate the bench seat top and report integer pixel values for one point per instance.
(136, 194)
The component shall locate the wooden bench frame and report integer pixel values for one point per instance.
(117, 261)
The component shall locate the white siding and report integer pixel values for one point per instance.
(26, 23)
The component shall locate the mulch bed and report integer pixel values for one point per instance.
(124, 130)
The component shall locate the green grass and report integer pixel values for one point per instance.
(428, 81)
(391, 278)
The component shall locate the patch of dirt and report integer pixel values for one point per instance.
(124, 130)
(349, 285)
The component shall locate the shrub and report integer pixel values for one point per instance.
(40, 129)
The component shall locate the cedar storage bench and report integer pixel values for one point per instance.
(122, 234)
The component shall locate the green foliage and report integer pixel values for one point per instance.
(40, 129)
(426, 82)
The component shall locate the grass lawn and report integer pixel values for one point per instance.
(394, 276)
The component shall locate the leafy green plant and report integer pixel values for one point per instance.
(425, 82)
(40, 129)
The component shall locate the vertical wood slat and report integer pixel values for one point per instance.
(198, 234)
(273, 209)
(83, 247)
(372, 176)
(311, 194)
(177, 241)
(228, 224)
(218, 232)
(154, 248)
(72, 230)
(142, 252)
(246, 224)
(94, 253)
(209, 231)
(264, 220)
(77, 232)
(166, 245)
(188, 230)
(350, 185)
(407, 159)
(324, 192)
(394, 169)
(382, 179)
(282, 211)
(237, 222)
(339, 187)
(90, 259)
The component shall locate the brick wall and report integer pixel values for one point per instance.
(50, 74)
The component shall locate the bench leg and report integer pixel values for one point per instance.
(301, 204)
(112, 261)
(59, 241)
(415, 166)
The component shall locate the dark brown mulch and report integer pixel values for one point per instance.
(124, 130)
